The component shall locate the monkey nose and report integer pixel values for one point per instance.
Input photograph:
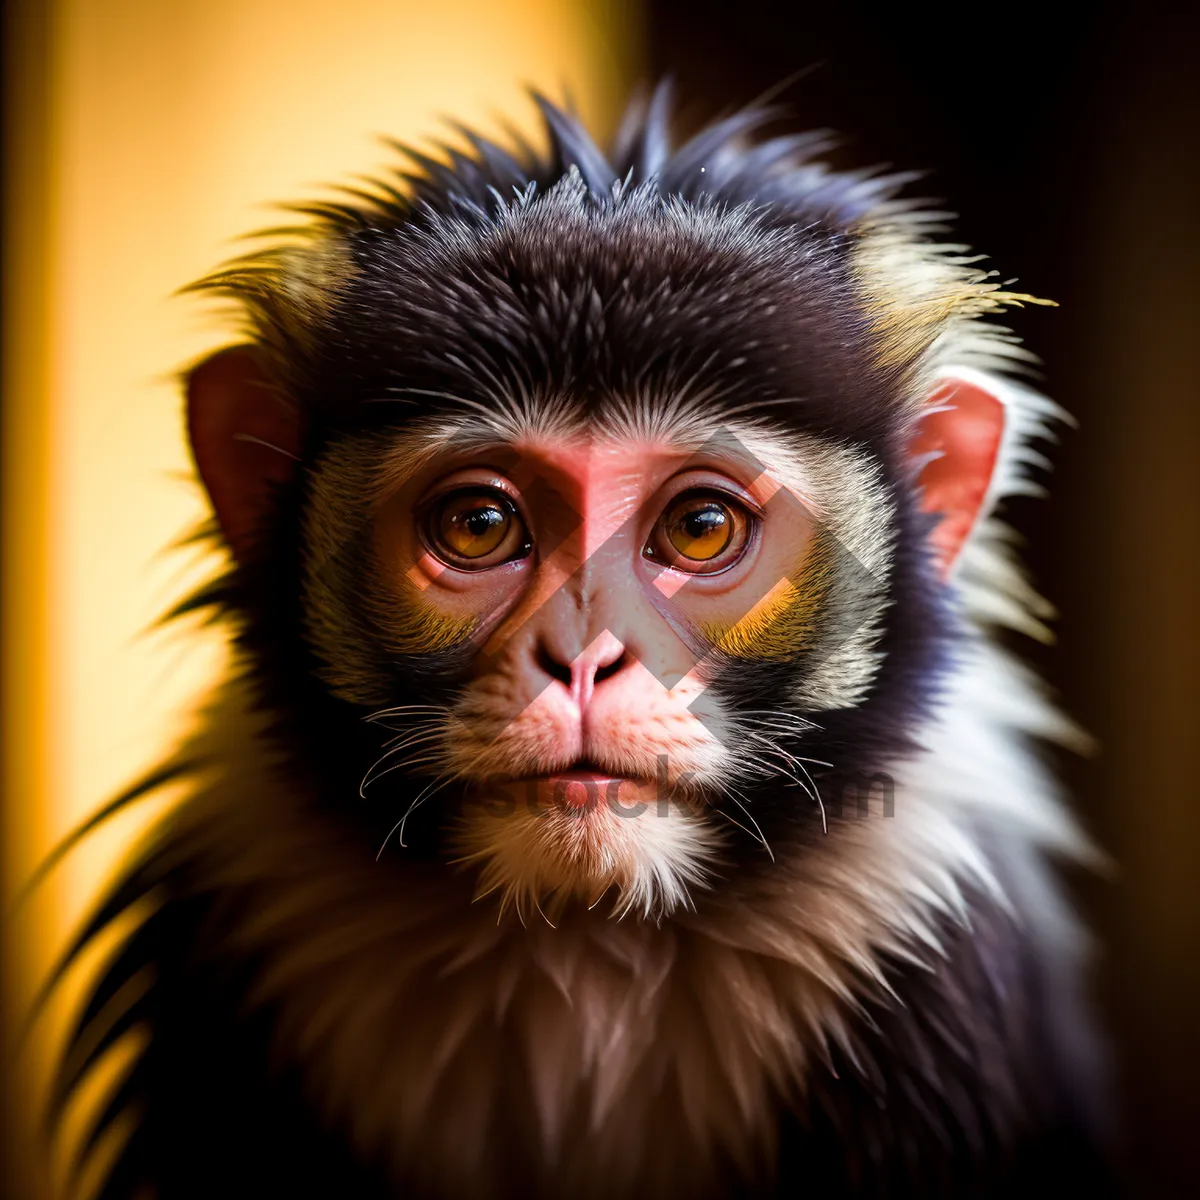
(603, 658)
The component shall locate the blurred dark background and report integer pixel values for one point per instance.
(1067, 138)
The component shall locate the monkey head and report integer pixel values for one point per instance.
(595, 520)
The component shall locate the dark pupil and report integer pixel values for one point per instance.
(701, 522)
(480, 521)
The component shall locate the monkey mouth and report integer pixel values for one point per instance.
(585, 782)
(582, 787)
(584, 766)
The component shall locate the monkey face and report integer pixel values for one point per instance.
(589, 571)
(607, 510)
(603, 599)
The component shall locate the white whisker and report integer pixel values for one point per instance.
(774, 750)
(422, 796)
(741, 802)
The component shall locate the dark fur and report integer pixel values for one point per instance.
(956, 1093)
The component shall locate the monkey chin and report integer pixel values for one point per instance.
(581, 836)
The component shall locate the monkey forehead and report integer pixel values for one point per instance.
(636, 307)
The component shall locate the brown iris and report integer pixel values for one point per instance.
(475, 529)
(700, 532)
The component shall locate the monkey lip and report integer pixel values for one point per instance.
(586, 775)
(581, 789)
(584, 786)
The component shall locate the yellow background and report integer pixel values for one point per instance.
(144, 137)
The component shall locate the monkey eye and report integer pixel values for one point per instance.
(700, 531)
(476, 528)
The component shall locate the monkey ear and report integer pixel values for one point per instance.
(245, 437)
(958, 439)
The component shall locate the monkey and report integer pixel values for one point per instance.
(624, 783)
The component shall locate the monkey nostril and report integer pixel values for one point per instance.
(555, 669)
(610, 669)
